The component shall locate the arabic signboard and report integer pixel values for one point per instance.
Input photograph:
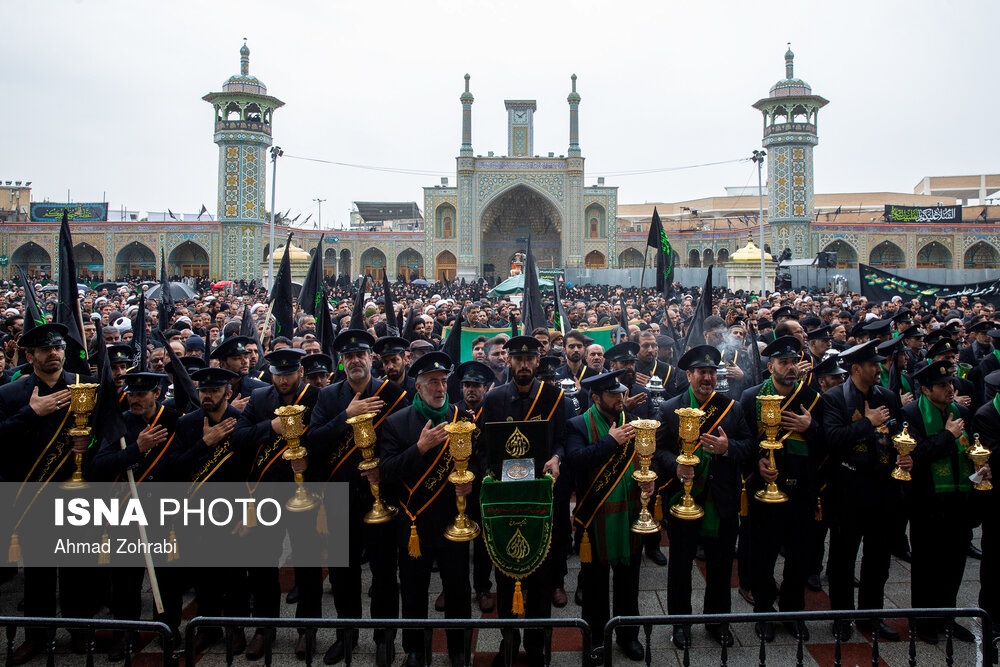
(880, 286)
(927, 214)
(49, 212)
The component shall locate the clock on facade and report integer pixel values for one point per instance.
(520, 116)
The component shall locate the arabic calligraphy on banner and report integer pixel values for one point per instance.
(895, 213)
(879, 285)
(49, 212)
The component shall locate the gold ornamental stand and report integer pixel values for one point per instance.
(462, 529)
(82, 402)
(645, 447)
(364, 438)
(904, 444)
(980, 456)
(292, 428)
(689, 432)
(770, 416)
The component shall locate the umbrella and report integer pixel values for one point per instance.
(418, 281)
(516, 284)
(50, 288)
(178, 290)
(111, 287)
(223, 284)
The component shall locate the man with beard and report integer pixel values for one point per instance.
(317, 369)
(521, 400)
(233, 356)
(334, 457)
(774, 526)
(622, 357)
(734, 355)
(149, 435)
(724, 447)
(595, 358)
(253, 358)
(34, 420)
(427, 502)
(120, 358)
(980, 345)
(203, 453)
(392, 351)
(859, 420)
(648, 364)
(258, 438)
(599, 449)
(574, 348)
(496, 358)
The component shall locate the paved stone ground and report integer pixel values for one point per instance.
(566, 643)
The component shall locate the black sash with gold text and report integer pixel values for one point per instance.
(392, 397)
(422, 491)
(603, 482)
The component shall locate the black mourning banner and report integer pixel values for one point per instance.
(925, 214)
(516, 440)
(879, 285)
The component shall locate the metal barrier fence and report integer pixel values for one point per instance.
(228, 625)
(872, 615)
(89, 626)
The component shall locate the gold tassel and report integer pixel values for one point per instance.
(585, 555)
(14, 552)
(172, 556)
(819, 510)
(321, 525)
(414, 546)
(251, 514)
(517, 605)
(105, 556)
(658, 509)
(744, 501)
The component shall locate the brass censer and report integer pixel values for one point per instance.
(689, 430)
(645, 447)
(462, 529)
(292, 428)
(770, 416)
(904, 444)
(364, 438)
(980, 456)
(82, 401)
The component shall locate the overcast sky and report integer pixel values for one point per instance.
(104, 98)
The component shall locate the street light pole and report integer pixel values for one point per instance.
(758, 158)
(276, 152)
(319, 217)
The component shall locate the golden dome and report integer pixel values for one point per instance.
(749, 253)
(295, 254)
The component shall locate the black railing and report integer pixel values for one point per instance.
(847, 615)
(89, 626)
(428, 625)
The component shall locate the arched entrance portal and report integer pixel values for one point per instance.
(514, 215)
(373, 263)
(445, 267)
(188, 259)
(89, 262)
(409, 265)
(345, 262)
(135, 259)
(36, 261)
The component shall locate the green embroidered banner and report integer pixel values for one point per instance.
(517, 523)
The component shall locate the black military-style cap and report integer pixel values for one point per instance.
(317, 363)
(700, 356)
(547, 366)
(606, 382)
(993, 333)
(627, 351)
(829, 366)
(858, 330)
(934, 373)
(980, 327)
(190, 364)
(936, 335)
(993, 379)
(353, 340)
(912, 331)
(878, 327)
(478, 372)
(890, 346)
(52, 334)
(943, 346)
(388, 345)
(120, 353)
(213, 378)
(663, 340)
(523, 346)
(820, 333)
(233, 346)
(904, 315)
(867, 351)
(785, 311)
(284, 361)
(136, 382)
(429, 363)
(786, 347)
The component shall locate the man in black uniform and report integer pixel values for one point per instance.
(622, 357)
(859, 419)
(334, 457)
(427, 501)
(980, 345)
(989, 364)
(232, 355)
(203, 453)
(524, 399)
(575, 345)
(392, 351)
(723, 447)
(648, 364)
(987, 420)
(34, 420)
(120, 357)
(317, 369)
(258, 438)
(149, 438)
(774, 526)
(941, 511)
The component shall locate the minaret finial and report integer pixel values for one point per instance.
(573, 79)
(245, 59)
(789, 57)
(467, 77)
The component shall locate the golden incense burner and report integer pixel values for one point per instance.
(462, 529)
(645, 447)
(904, 444)
(292, 428)
(689, 431)
(770, 416)
(364, 437)
(82, 401)
(980, 456)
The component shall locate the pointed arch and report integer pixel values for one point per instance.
(722, 256)
(373, 263)
(595, 223)
(444, 221)
(34, 258)
(981, 255)
(934, 255)
(445, 266)
(409, 265)
(135, 259)
(630, 258)
(694, 258)
(708, 257)
(887, 255)
(847, 256)
(89, 261)
(188, 259)
(595, 259)
(345, 262)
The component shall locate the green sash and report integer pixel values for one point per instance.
(883, 375)
(946, 478)
(517, 523)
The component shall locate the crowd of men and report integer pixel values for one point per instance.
(851, 375)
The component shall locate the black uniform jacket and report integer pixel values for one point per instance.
(112, 461)
(929, 450)
(585, 458)
(254, 438)
(246, 386)
(195, 461)
(505, 401)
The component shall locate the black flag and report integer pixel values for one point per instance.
(532, 311)
(411, 319)
(32, 313)
(165, 307)
(657, 238)
(696, 332)
(281, 297)
(139, 339)
(358, 311)
(391, 324)
(312, 287)
(185, 394)
(68, 308)
(324, 327)
(559, 320)
(622, 333)
(248, 328)
(107, 412)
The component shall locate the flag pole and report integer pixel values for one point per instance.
(150, 570)
(642, 276)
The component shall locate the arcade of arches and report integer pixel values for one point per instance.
(933, 256)
(373, 263)
(514, 215)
